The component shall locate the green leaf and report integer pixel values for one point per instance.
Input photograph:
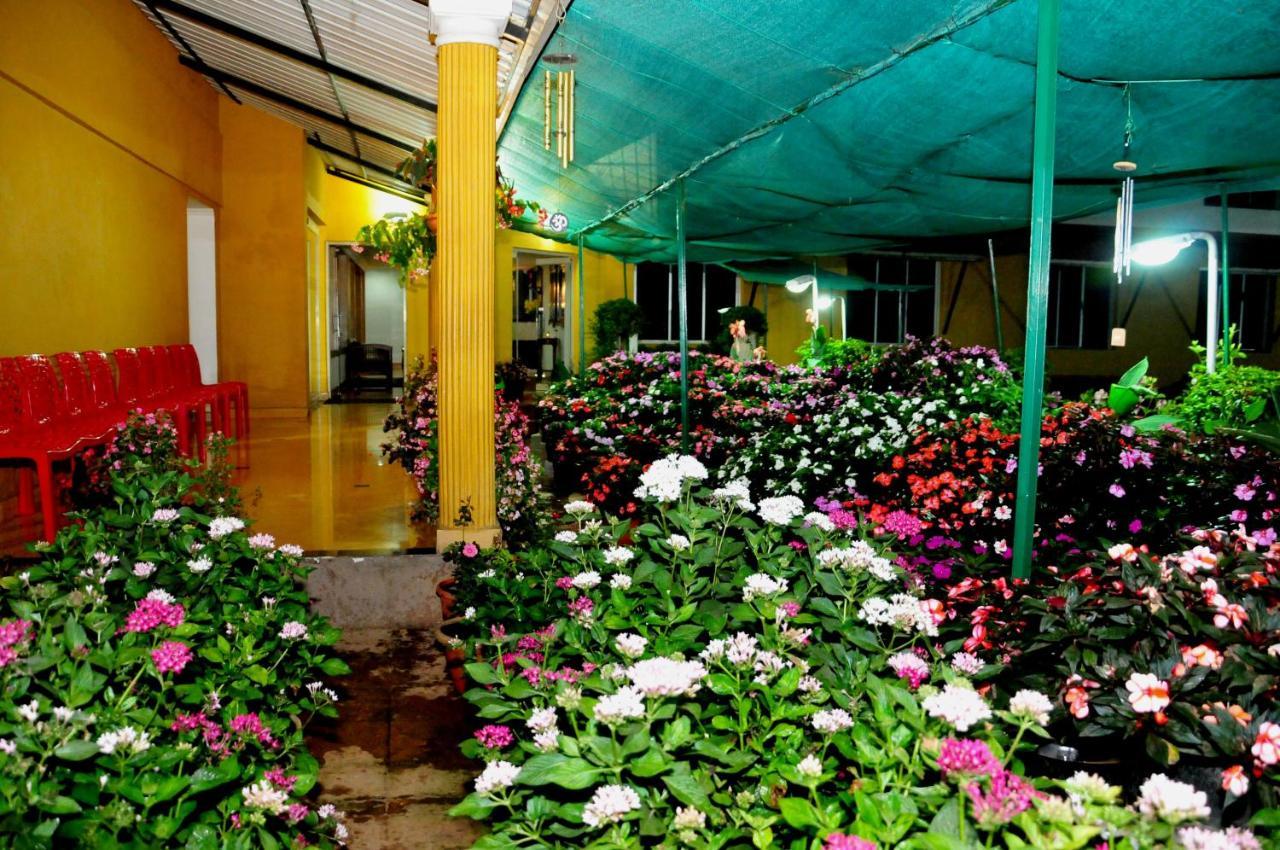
(76, 750)
(258, 674)
(685, 787)
(473, 806)
(799, 813)
(202, 838)
(555, 769)
(335, 667)
(481, 673)
(59, 806)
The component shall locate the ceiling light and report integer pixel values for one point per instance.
(801, 283)
(1157, 252)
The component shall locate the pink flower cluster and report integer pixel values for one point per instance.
(13, 633)
(150, 613)
(210, 731)
(840, 841)
(171, 656)
(277, 777)
(967, 758)
(1007, 796)
(494, 737)
(251, 725)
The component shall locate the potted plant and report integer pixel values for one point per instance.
(615, 322)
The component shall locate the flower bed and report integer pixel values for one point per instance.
(747, 672)
(158, 666)
(414, 446)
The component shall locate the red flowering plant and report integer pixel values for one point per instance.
(1174, 652)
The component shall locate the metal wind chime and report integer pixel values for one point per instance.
(557, 105)
(1124, 206)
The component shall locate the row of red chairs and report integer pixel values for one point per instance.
(49, 415)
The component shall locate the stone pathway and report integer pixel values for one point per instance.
(391, 760)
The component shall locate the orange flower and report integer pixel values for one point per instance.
(1235, 781)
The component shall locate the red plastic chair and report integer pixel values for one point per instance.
(78, 400)
(187, 361)
(34, 427)
(102, 380)
(140, 387)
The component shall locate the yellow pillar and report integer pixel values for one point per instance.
(467, 37)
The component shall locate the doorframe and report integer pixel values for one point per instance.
(569, 342)
(317, 316)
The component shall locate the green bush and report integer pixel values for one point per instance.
(756, 324)
(1233, 396)
(615, 322)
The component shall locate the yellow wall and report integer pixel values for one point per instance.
(103, 137)
(604, 278)
(262, 295)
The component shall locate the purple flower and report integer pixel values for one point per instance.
(1265, 537)
(1135, 526)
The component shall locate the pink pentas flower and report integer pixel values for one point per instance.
(171, 656)
(1008, 796)
(840, 841)
(470, 550)
(150, 613)
(297, 812)
(494, 737)
(277, 777)
(15, 632)
(966, 757)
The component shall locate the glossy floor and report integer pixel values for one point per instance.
(323, 483)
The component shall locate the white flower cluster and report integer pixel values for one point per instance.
(820, 521)
(1091, 787)
(810, 767)
(1031, 705)
(221, 526)
(143, 569)
(542, 723)
(781, 510)
(689, 818)
(630, 645)
(902, 611)
(967, 663)
(620, 582)
(162, 595)
(858, 557)
(579, 508)
(739, 650)
(496, 775)
(666, 676)
(263, 795)
(125, 740)
(626, 704)
(586, 580)
(736, 493)
(762, 584)
(664, 480)
(199, 565)
(610, 804)
(1163, 798)
(1232, 838)
(293, 630)
(618, 556)
(566, 537)
(831, 721)
(315, 688)
(960, 706)
(678, 542)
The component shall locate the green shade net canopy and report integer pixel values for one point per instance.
(779, 273)
(830, 126)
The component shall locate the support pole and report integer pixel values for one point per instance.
(995, 294)
(683, 290)
(582, 315)
(1037, 285)
(1226, 279)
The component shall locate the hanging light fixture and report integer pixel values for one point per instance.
(1124, 205)
(557, 99)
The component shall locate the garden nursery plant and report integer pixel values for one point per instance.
(736, 667)
(158, 666)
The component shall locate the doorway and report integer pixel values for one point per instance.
(367, 325)
(541, 334)
(202, 287)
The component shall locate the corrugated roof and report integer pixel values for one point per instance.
(359, 76)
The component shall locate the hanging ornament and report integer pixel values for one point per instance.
(1124, 205)
(557, 100)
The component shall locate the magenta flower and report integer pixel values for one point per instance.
(15, 631)
(470, 550)
(494, 737)
(297, 812)
(1009, 796)
(277, 777)
(902, 524)
(171, 656)
(150, 613)
(1244, 492)
(966, 757)
(840, 841)
(1116, 490)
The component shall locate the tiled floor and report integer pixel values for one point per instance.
(391, 759)
(323, 483)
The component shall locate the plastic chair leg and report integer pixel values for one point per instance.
(26, 491)
(181, 419)
(44, 468)
(202, 448)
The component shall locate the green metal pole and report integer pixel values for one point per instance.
(582, 315)
(682, 288)
(1226, 280)
(1037, 285)
(995, 294)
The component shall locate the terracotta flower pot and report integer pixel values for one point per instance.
(455, 657)
(433, 222)
(448, 600)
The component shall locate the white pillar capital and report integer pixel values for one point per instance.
(469, 21)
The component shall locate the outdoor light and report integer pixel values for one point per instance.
(825, 301)
(1157, 252)
(801, 283)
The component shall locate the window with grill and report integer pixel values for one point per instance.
(1079, 305)
(886, 316)
(1251, 307)
(710, 290)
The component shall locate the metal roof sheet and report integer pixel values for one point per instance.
(370, 73)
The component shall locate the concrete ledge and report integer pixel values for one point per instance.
(378, 592)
